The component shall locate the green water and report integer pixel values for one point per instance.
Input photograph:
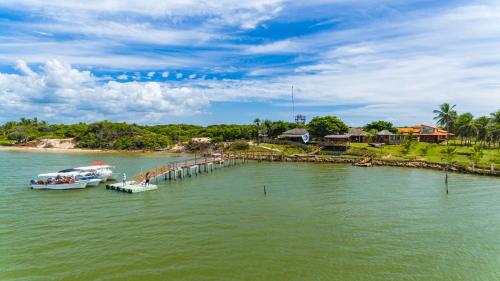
(317, 222)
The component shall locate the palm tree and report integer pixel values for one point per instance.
(449, 153)
(495, 117)
(445, 116)
(466, 127)
(476, 155)
(494, 128)
(256, 121)
(268, 125)
(482, 125)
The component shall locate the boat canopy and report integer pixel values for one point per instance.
(93, 168)
(69, 170)
(53, 175)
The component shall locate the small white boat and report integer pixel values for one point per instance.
(100, 169)
(59, 181)
(92, 181)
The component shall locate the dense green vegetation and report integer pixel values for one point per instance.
(485, 129)
(109, 135)
(438, 153)
(379, 125)
(327, 125)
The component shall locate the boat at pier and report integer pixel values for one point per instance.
(60, 181)
(100, 170)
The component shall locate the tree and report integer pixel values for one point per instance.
(445, 116)
(476, 155)
(482, 125)
(406, 145)
(268, 126)
(449, 153)
(424, 149)
(326, 125)
(466, 127)
(380, 125)
(256, 122)
(494, 128)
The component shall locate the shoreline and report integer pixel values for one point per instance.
(77, 150)
(419, 164)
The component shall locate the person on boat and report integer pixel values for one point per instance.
(124, 179)
(147, 179)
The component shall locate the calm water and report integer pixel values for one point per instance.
(318, 222)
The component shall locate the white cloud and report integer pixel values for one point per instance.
(68, 93)
(284, 46)
(165, 74)
(242, 13)
(23, 68)
(401, 67)
(122, 77)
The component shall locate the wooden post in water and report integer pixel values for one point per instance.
(446, 178)
(265, 191)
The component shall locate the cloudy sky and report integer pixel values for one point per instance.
(230, 61)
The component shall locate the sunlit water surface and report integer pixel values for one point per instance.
(317, 222)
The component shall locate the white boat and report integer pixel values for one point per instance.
(100, 169)
(94, 182)
(59, 181)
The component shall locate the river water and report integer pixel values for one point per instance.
(317, 222)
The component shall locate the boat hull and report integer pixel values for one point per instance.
(94, 182)
(75, 185)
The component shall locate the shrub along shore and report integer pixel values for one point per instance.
(372, 162)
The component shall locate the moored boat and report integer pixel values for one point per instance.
(59, 181)
(100, 170)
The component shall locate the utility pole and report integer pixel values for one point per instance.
(293, 106)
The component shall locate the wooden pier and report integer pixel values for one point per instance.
(177, 170)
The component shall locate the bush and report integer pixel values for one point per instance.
(240, 145)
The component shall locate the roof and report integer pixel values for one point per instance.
(407, 130)
(416, 130)
(337, 136)
(385, 133)
(297, 132)
(357, 132)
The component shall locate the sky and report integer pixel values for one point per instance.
(230, 61)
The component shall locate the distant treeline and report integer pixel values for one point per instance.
(110, 135)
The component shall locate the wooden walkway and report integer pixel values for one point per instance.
(190, 167)
(178, 170)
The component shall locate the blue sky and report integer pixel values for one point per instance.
(230, 61)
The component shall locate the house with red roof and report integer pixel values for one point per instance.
(425, 133)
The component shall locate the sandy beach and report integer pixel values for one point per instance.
(74, 150)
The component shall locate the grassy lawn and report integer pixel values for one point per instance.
(433, 154)
(266, 148)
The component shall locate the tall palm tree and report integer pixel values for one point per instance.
(495, 117)
(476, 155)
(268, 125)
(467, 127)
(494, 127)
(445, 116)
(482, 125)
(256, 121)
